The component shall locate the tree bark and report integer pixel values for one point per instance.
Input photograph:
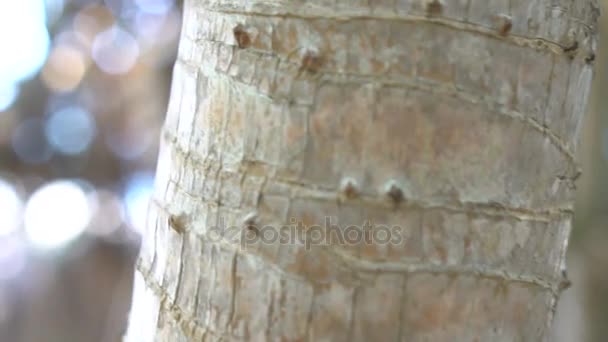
(453, 123)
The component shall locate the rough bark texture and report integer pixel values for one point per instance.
(456, 121)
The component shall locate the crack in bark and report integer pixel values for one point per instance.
(182, 262)
(191, 328)
(234, 288)
(431, 87)
(300, 190)
(363, 267)
(308, 13)
(212, 278)
(401, 310)
(187, 324)
(353, 311)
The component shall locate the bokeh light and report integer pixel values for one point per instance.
(64, 69)
(54, 9)
(24, 39)
(10, 209)
(29, 142)
(115, 50)
(13, 257)
(90, 20)
(137, 198)
(8, 95)
(155, 6)
(108, 215)
(56, 214)
(121, 8)
(149, 25)
(70, 130)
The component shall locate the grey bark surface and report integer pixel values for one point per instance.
(456, 121)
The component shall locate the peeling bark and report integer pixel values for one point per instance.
(456, 122)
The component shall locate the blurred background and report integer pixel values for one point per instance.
(84, 86)
(83, 91)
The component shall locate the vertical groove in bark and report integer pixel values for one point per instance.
(455, 124)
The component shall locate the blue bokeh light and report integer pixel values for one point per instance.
(29, 143)
(71, 130)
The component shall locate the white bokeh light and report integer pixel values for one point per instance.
(155, 6)
(148, 25)
(24, 39)
(54, 9)
(10, 209)
(13, 257)
(56, 214)
(137, 198)
(8, 95)
(108, 214)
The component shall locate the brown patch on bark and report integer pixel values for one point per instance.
(311, 62)
(241, 36)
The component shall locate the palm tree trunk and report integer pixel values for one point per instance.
(449, 128)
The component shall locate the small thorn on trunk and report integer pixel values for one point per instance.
(565, 283)
(249, 222)
(394, 192)
(349, 188)
(178, 223)
(311, 61)
(504, 24)
(571, 49)
(434, 7)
